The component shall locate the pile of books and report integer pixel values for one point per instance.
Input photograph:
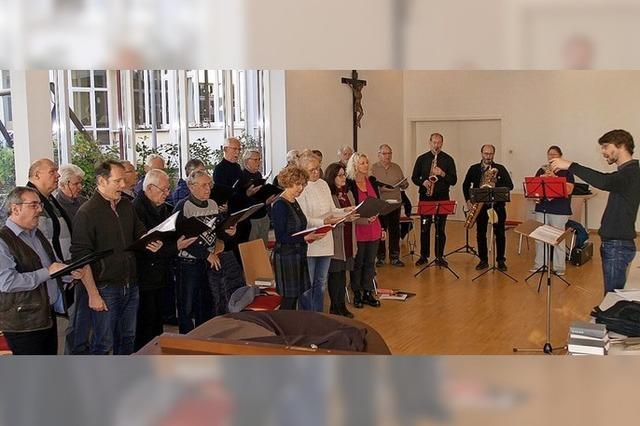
(587, 338)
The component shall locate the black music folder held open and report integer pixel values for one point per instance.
(169, 230)
(373, 206)
(84, 260)
(239, 216)
(266, 191)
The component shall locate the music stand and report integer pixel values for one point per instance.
(550, 188)
(547, 348)
(490, 196)
(466, 248)
(436, 208)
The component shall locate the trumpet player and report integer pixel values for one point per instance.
(434, 173)
(554, 212)
(501, 179)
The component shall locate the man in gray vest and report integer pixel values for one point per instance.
(28, 296)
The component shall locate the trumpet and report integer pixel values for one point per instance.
(547, 170)
(432, 176)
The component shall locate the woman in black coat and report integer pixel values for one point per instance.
(369, 232)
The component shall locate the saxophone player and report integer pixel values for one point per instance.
(501, 179)
(434, 173)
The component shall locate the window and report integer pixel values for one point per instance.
(206, 96)
(239, 85)
(7, 164)
(89, 100)
(151, 87)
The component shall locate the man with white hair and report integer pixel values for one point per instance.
(153, 268)
(251, 159)
(69, 193)
(229, 173)
(344, 153)
(389, 174)
(195, 262)
(153, 162)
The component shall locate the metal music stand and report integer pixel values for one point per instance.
(547, 348)
(466, 248)
(489, 196)
(436, 208)
(551, 188)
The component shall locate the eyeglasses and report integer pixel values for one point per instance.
(341, 174)
(163, 190)
(32, 204)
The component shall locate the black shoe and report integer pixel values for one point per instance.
(345, 312)
(441, 262)
(482, 265)
(380, 262)
(502, 266)
(357, 299)
(422, 261)
(370, 300)
(397, 262)
(334, 310)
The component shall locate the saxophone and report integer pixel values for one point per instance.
(432, 177)
(488, 180)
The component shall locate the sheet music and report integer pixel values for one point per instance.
(547, 234)
(167, 226)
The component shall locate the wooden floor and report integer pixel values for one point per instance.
(489, 316)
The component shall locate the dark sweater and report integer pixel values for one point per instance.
(228, 173)
(153, 268)
(474, 175)
(422, 170)
(619, 218)
(97, 227)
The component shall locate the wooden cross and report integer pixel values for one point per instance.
(356, 97)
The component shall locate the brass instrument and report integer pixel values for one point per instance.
(432, 177)
(488, 180)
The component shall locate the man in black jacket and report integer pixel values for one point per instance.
(153, 268)
(442, 168)
(108, 221)
(502, 180)
(617, 227)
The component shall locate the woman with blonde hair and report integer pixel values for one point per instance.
(369, 232)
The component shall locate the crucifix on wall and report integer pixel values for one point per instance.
(356, 86)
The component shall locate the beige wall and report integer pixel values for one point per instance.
(536, 108)
(319, 112)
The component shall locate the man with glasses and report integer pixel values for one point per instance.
(252, 159)
(153, 268)
(388, 175)
(130, 180)
(182, 189)
(28, 296)
(107, 221)
(195, 303)
(69, 193)
(229, 173)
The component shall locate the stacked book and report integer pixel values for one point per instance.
(587, 338)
